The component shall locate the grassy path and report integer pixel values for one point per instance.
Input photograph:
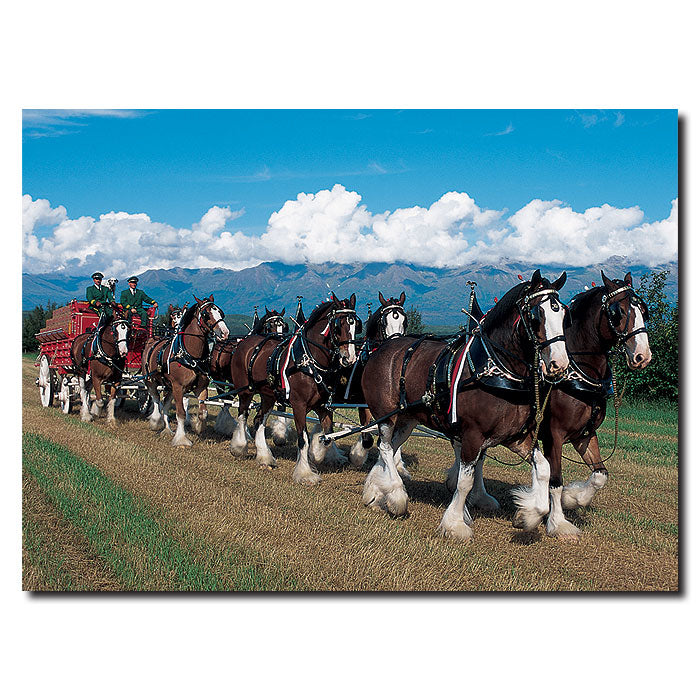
(184, 517)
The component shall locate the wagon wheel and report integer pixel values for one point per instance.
(64, 395)
(45, 382)
(145, 402)
(119, 401)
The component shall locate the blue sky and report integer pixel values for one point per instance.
(175, 165)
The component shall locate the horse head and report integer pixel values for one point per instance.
(211, 318)
(121, 331)
(392, 320)
(542, 316)
(626, 315)
(343, 325)
(273, 323)
(174, 315)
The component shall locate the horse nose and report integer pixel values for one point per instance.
(553, 365)
(638, 358)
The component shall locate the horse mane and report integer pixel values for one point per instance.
(372, 327)
(187, 316)
(582, 301)
(318, 312)
(500, 313)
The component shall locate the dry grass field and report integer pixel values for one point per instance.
(118, 508)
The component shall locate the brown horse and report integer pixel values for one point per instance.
(300, 371)
(272, 323)
(98, 358)
(388, 321)
(479, 404)
(601, 319)
(180, 364)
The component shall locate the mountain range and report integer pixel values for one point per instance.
(437, 293)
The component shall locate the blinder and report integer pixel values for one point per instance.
(613, 312)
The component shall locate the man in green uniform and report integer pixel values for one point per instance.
(100, 297)
(132, 300)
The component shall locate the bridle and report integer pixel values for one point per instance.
(613, 312)
(273, 320)
(533, 314)
(384, 323)
(334, 319)
(203, 326)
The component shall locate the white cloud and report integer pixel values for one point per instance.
(334, 225)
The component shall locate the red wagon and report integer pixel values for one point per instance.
(57, 378)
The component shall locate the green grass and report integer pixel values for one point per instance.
(144, 550)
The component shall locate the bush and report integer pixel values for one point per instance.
(33, 322)
(414, 321)
(660, 379)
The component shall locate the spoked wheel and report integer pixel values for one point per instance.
(145, 402)
(119, 402)
(45, 382)
(64, 395)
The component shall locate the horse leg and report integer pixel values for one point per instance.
(167, 402)
(303, 472)
(557, 525)
(202, 392)
(98, 403)
(238, 446)
(180, 439)
(155, 420)
(111, 420)
(84, 384)
(580, 493)
(479, 497)
(532, 502)
(224, 424)
(280, 429)
(402, 432)
(456, 521)
(263, 455)
(384, 487)
(358, 453)
(320, 452)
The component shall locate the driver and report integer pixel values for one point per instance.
(132, 300)
(99, 296)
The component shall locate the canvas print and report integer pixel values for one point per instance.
(350, 350)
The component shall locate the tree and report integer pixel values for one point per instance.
(415, 321)
(32, 323)
(660, 379)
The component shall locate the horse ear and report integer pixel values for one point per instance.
(267, 311)
(334, 297)
(197, 299)
(170, 308)
(609, 284)
(560, 282)
(382, 299)
(284, 308)
(628, 279)
(402, 298)
(352, 300)
(211, 297)
(536, 279)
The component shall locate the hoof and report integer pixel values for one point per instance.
(307, 478)
(397, 503)
(86, 418)
(266, 467)
(238, 450)
(527, 520)
(485, 503)
(565, 531)
(266, 461)
(181, 442)
(403, 472)
(457, 531)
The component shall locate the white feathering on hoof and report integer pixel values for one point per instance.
(358, 454)
(557, 525)
(279, 430)
(581, 493)
(238, 446)
(263, 455)
(533, 502)
(303, 473)
(180, 439)
(317, 450)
